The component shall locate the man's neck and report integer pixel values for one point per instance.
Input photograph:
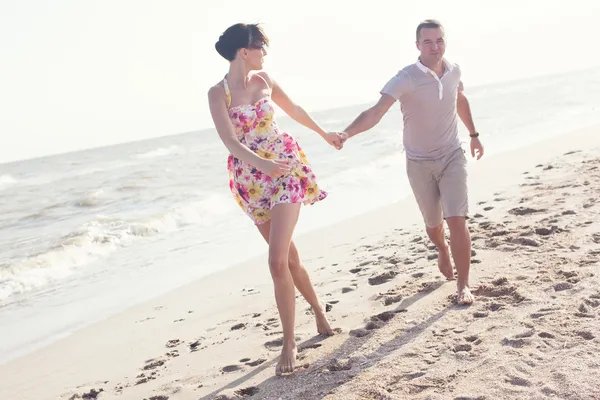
(437, 66)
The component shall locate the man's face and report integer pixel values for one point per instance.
(431, 44)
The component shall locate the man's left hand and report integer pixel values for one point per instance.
(476, 148)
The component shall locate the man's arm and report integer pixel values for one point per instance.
(371, 116)
(464, 110)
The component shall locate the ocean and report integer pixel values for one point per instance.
(85, 235)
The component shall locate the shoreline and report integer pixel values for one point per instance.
(206, 310)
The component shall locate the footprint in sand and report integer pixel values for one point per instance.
(386, 315)
(469, 398)
(159, 397)
(238, 326)
(561, 287)
(92, 394)
(247, 392)
(153, 364)
(546, 231)
(520, 211)
(172, 354)
(473, 339)
(389, 300)
(526, 334)
(592, 302)
(339, 365)
(495, 307)
(144, 320)
(309, 346)
(231, 368)
(173, 343)
(359, 333)
(142, 378)
(256, 362)
(413, 375)
(516, 343)
(501, 290)
(542, 312)
(546, 335)
(587, 335)
(516, 381)
(462, 347)
(383, 278)
(194, 346)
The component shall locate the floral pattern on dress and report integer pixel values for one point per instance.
(255, 191)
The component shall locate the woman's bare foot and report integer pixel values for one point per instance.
(323, 327)
(445, 264)
(464, 296)
(287, 360)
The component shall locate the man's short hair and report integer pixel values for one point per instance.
(428, 24)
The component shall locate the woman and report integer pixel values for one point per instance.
(270, 177)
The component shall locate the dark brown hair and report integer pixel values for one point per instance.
(428, 24)
(240, 36)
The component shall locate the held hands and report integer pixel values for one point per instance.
(476, 148)
(336, 139)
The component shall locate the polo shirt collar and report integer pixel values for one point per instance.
(426, 70)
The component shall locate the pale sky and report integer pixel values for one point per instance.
(76, 74)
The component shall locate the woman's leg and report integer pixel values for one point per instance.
(302, 283)
(283, 221)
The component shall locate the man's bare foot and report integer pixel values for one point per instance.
(464, 296)
(445, 264)
(323, 326)
(287, 360)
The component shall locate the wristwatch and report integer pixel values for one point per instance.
(476, 134)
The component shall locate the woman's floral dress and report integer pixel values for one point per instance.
(255, 191)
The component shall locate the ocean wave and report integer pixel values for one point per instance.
(162, 152)
(101, 237)
(93, 198)
(6, 181)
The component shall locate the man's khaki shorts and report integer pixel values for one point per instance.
(440, 187)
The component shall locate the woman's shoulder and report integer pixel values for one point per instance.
(266, 77)
(217, 90)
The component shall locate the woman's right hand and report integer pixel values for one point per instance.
(275, 168)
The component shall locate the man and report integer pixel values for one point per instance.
(430, 93)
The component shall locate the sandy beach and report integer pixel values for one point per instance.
(532, 333)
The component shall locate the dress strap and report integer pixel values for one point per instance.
(265, 81)
(227, 92)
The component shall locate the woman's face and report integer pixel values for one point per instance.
(254, 57)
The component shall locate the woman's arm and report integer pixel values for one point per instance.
(220, 116)
(297, 113)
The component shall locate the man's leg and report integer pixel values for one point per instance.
(454, 195)
(438, 238)
(460, 242)
(427, 194)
